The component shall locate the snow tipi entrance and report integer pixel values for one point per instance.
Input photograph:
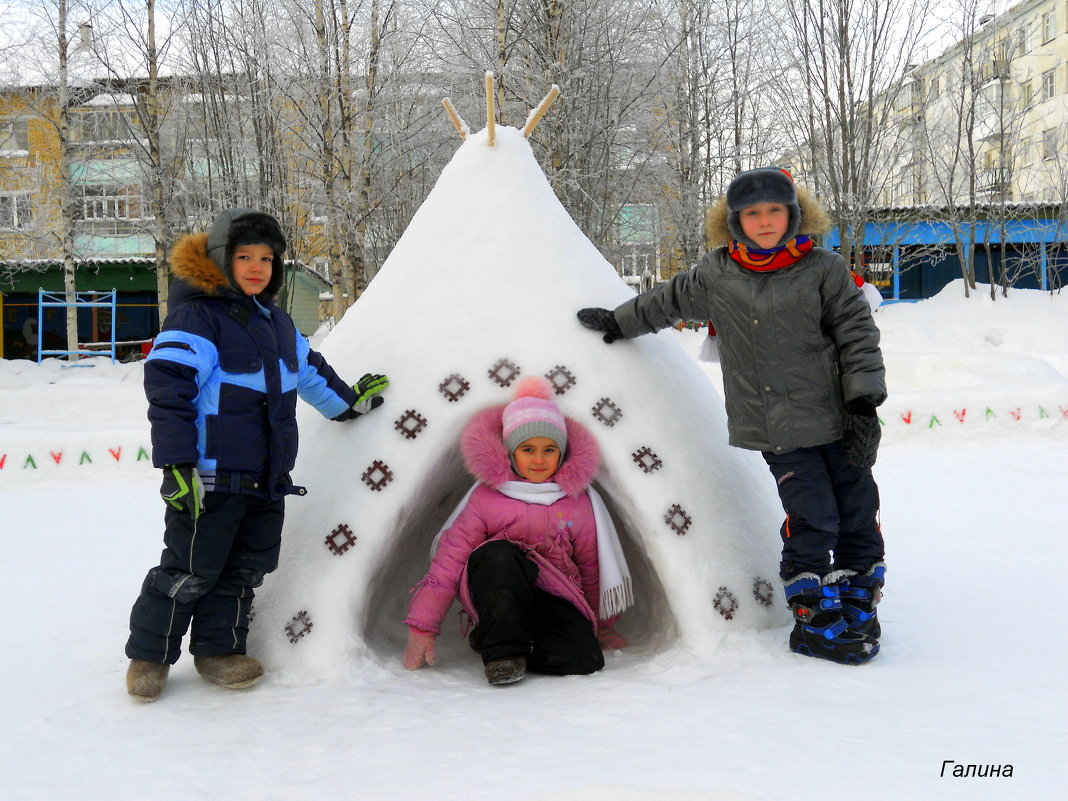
(482, 289)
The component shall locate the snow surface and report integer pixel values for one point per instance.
(971, 668)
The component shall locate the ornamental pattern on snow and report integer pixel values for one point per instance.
(504, 372)
(725, 603)
(648, 461)
(410, 424)
(377, 476)
(561, 378)
(300, 625)
(454, 387)
(677, 519)
(763, 591)
(340, 540)
(606, 411)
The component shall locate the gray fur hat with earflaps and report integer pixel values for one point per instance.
(764, 185)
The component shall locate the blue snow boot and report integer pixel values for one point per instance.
(820, 628)
(860, 594)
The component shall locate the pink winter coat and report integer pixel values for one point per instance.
(560, 539)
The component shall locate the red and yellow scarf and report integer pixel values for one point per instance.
(768, 260)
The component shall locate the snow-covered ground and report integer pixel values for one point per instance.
(974, 483)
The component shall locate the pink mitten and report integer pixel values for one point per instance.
(609, 638)
(420, 650)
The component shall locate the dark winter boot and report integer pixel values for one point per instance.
(820, 628)
(145, 680)
(508, 670)
(235, 671)
(860, 595)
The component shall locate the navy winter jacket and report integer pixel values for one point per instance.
(223, 377)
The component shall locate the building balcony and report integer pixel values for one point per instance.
(994, 181)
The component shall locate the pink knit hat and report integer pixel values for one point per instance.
(532, 414)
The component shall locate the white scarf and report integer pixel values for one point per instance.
(616, 592)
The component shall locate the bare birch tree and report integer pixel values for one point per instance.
(718, 104)
(134, 55)
(55, 47)
(950, 136)
(850, 56)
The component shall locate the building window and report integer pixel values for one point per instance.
(1049, 26)
(1049, 143)
(1023, 151)
(101, 125)
(14, 135)
(108, 202)
(1049, 84)
(16, 210)
(638, 224)
(1027, 94)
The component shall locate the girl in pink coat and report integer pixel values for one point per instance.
(531, 552)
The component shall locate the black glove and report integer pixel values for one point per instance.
(183, 489)
(862, 433)
(601, 320)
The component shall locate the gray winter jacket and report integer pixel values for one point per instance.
(796, 344)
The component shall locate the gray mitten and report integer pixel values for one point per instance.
(601, 320)
(862, 433)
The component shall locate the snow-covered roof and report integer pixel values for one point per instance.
(929, 208)
(110, 99)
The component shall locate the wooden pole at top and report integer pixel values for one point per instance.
(459, 124)
(490, 122)
(539, 110)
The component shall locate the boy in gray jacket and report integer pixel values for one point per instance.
(802, 376)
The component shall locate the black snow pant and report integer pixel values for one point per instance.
(832, 510)
(516, 618)
(206, 576)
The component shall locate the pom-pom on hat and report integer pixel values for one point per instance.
(762, 185)
(532, 414)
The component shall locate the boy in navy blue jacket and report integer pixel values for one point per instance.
(222, 382)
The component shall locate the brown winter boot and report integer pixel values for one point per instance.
(508, 670)
(236, 671)
(144, 679)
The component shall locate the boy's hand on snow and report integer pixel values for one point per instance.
(609, 638)
(368, 392)
(601, 320)
(183, 489)
(420, 650)
(862, 433)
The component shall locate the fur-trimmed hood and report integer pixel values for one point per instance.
(190, 263)
(488, 461)
(814, 219)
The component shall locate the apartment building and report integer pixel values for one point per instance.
(987, 120)
(970, 171)
(114, 224)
